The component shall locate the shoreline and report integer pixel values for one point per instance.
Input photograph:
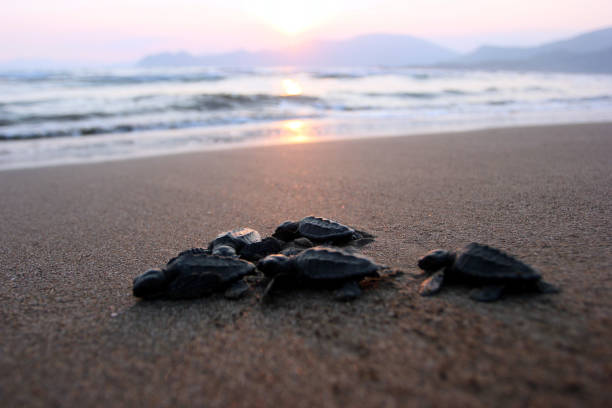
(291, 137)
(74, 237)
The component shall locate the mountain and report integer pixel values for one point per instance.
(589, 52)
(373, 49)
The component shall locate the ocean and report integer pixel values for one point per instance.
(74, 116)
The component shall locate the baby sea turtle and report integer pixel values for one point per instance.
(236, 238)
(321, 230)
(491, 270)
(318, 267)
(195, 273)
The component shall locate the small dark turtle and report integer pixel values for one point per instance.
(322, 230)
(236, 238)
(318, 267)
(192, 274)
(318, 229)
(257, 250)
(491, 270)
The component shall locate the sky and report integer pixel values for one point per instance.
(114, 31)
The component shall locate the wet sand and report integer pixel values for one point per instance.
(72, 238)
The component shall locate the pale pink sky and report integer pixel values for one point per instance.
(124, 30)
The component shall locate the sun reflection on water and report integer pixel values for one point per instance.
(296, 131)
(291, 87)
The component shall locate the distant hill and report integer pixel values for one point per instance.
(590, 52)
(366, 50)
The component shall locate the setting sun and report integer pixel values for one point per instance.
(292, 17)
(291, 87)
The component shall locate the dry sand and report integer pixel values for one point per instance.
(73, 237)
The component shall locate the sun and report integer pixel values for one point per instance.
(292, 17)
(289, 21)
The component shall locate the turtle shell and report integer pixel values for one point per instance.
(236, 238)
(319, 229)
(195, 273)
(329, 264)
(199, 261)
(482, 262)
(261, 249)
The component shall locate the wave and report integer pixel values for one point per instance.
(233, 101)
(501, 102)
(142, 79)
(196, 103)
(108, 79)
(419, 95)
(415, 95)
(336, 75)
(598, 98)
(159, 125)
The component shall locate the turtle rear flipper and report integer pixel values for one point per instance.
(347, 292)
(237, 290)
(545, 287)
(487, 293)
(432, 285)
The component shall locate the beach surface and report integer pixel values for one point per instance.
(72, 238)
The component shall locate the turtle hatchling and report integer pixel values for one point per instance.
(236, 238)
(492, 271)
(318, 267)
(322, 230)
(195, 273)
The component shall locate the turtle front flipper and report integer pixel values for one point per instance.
(237, 290)
(487, 293)
(432, 285)
(545, 287)
(280, 281)
(347, 292)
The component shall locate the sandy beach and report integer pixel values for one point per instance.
(72, 238)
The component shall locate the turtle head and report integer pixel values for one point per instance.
(273, 265)
(150, 284)
(224, 250)
(287, 231)
(436, 260)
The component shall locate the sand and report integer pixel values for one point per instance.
(72, 238)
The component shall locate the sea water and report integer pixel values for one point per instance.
(72, 116)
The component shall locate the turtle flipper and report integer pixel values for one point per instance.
(237, 290)
(545, 287)
(417, 275)
(487, 293)
(280, 281)
(347, 292)
(432, 285)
